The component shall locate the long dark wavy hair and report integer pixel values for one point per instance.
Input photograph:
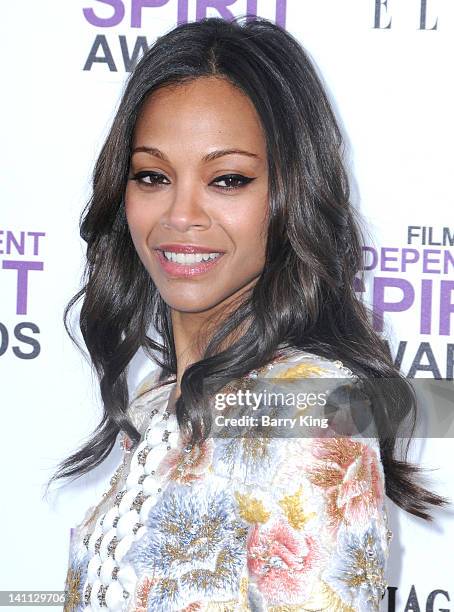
(305, 296)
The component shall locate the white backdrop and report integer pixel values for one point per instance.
(387, 65)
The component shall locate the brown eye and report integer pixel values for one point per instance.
(232, 181)
(149, 179)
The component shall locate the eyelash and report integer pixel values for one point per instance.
(154, 175)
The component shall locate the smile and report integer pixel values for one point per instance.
(187, 264)
(189, 258)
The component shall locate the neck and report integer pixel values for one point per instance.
(193, 330)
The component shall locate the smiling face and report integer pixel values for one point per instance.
(186, 190)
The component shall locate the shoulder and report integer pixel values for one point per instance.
(144, 396)
(301, 402)
(292, 362)
(322, 497)
(146, 383)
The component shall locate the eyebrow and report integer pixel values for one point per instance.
(206, 158)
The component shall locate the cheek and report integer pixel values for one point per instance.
(248, 229)
(137, 216)
(138, 226)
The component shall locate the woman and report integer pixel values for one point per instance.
(220, 215)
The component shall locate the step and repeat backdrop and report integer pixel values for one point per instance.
(387, 66)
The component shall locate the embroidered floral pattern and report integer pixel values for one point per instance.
(252, 509)
(194, 547)
(75, 576)
(301, 370)
(282, 561)
(142, 590)
(292, 506)
(247, 523)
(356, 570)
(248, 460)
(350, 474)
(184, 466)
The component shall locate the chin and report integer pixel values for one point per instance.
(188, 304)
(193, 303)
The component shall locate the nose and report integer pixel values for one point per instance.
(186, 210)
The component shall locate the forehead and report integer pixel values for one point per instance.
(207, 107)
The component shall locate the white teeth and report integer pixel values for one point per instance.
(189, 258)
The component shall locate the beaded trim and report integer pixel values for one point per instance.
(117, 528)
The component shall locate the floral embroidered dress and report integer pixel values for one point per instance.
(268, 524)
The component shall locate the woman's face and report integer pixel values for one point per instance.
(189, 192)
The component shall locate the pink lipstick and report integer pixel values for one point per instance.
(187, 260)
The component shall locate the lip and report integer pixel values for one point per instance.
(177, 247)
(180, 270)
